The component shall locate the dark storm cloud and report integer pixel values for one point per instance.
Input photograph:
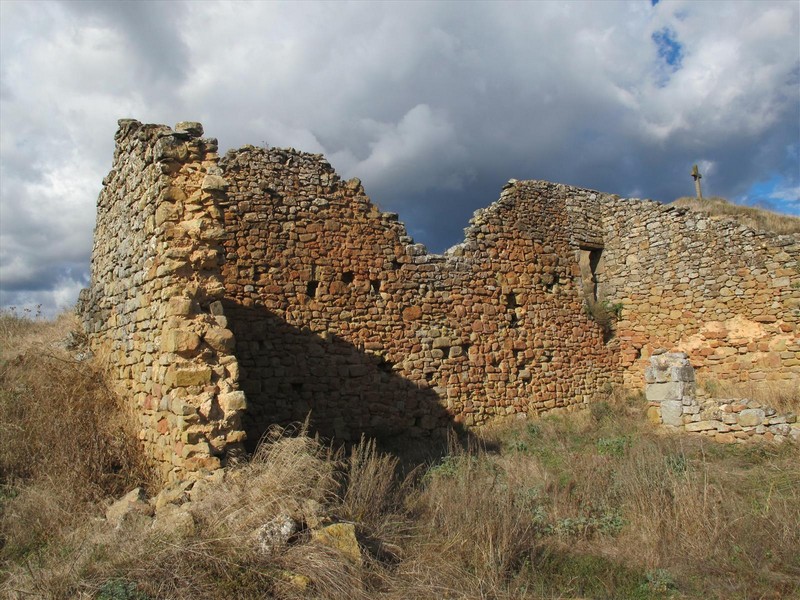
(433, 105)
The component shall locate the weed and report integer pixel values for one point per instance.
(615, 446)
(119, 589)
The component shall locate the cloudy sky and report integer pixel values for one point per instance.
(433, 105)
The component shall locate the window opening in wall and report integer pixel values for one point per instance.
(395, 264)
(511, 301)
(594, 260)
(348, 277)
(375, 284)
(311, 288)
(588, 261)
(511, 306)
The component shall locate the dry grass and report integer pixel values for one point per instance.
(783, 396)
(755, 218)
(589, 505)
(64, 442)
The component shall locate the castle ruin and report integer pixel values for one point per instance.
(232, 293)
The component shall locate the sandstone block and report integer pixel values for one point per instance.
(189, 376)
(654, 414)
(193, 128)
(220, 339)
(181, 341)
(412, 313)
(179, 306)
(342, 537)
(232, 402)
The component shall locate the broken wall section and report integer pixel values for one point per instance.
(725, 294)
(338, 313)
(155, 286)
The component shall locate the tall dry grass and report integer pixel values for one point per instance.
(755, 218)
(783, 396)
(65, 441)
(589, 505)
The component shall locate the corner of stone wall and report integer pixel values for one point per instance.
(154, 299)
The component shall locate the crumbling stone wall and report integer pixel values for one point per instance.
(717, 290)
(232, 294)
(337, 312)
(153, 304)
(673, 401)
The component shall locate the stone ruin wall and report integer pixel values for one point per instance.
(232, 294)
(337, 312)
(724, 294)
(155, 284)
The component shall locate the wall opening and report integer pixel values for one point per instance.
(589, 261)
(311, 288)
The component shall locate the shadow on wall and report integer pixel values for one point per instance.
(289, 373)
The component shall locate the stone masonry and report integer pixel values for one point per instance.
(230, 294)
(673, 402)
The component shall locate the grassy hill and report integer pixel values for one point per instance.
(755, 218)
(591, 505)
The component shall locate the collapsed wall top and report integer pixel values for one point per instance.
(260, 288)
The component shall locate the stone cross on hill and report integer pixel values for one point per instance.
(697, 177)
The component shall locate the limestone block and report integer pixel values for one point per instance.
(131, 503)
(214, 183)
(751, 417)
(175, 521)
(671, 412)
(682, 373)
(167, 211)
(659, 392)
(274, 535)
(703, 425)
(182, 408)
(442, 342)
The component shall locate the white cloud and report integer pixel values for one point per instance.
(432, 105)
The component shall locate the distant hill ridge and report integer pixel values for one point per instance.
(756, 218)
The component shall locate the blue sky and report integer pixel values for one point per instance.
(433, 105)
